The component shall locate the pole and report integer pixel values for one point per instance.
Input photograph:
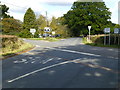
(118, 40)
(115, 39)
(105, 39)
(89, 34)
(46, 19)
(109, 38)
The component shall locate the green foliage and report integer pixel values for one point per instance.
(25, 34)
(41, 22)
(11, 44)
(36, 34)
(4, 11)
(83, 14)
(99, 39)
(58, 27)
(117, 26)
(53, 24)
(29, 22)
(11, 26)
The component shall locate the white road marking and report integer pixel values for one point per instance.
(54, 65)
(37, 46)
(32, 61)
(30, 57)
(25, 75)
(30, 53)
(23, 60)
(48, 60)
(75, 52)
(59, 58)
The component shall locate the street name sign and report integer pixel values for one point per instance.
(47, 29)
(117, 30)
(106, 30)
(89, 27)
(32, 31)
(53, 32)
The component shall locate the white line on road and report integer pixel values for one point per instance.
(28, 74)
(23, 60)
(75, 52)
(25, 75)
(48, 60)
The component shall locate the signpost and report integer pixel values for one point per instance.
(47, 29)
(53, 32)
(116, 31)
(106, 30)
(32, 31)
(89, 27)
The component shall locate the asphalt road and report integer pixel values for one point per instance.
(63, 64)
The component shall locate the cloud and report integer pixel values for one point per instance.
(59, 4)
(113, 5)
(17, 8)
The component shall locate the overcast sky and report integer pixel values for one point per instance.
(57, 8)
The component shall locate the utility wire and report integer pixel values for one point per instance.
(23, 7)
(12, 4)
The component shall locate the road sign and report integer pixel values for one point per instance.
(47, 29)
(116, 30)
(89, 27)
(32, 31)
(106, 30)
(53, 32)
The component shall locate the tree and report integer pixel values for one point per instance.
(29, 22)
(83, 14)
(11, 26)
(4, 11)
(41, 22)
(53, 24)
(117, 26)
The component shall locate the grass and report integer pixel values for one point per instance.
(51, 39)
(99, 45)
(6, 52)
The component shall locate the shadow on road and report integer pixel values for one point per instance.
(44, 68)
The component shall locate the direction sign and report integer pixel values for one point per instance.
(89, 27)
(32, 31)
(116, 30)
(106, 30)
(47, 29)
(53, 32)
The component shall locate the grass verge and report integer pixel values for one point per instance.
(99, 45)
(24, 47)
(47, 39)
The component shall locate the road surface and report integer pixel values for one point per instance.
(62, 64)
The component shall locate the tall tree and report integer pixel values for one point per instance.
(4, 11)
(29, 19)
(53, 24)
(41, 22)
(29, 22)
(83, 14)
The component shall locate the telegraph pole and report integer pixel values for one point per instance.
(46, 19)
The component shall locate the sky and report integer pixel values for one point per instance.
(57, 8)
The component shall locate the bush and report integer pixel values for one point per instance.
(25, 34)
(10, 43)
(98, 39)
